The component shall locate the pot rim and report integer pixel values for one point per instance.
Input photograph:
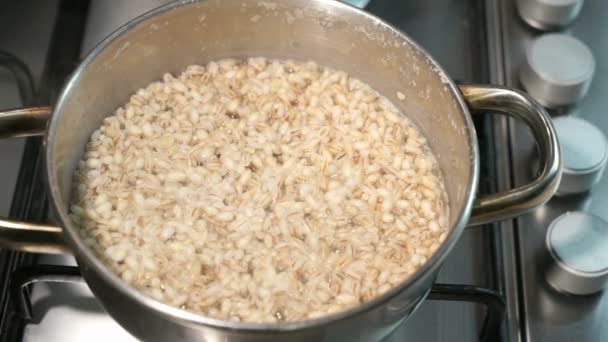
(87, 259)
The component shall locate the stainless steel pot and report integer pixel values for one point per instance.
(328, 32)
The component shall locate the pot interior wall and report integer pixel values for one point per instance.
(328, 33)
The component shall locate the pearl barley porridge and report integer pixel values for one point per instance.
(260, 191)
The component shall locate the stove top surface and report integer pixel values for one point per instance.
(546, 314)
(476, 41)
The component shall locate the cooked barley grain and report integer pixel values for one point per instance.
(260, 191)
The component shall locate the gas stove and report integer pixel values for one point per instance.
(550, 310)
(490, 288)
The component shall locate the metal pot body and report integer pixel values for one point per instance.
(155, 325)
(328, 32)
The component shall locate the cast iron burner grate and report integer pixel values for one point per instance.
(24, 278)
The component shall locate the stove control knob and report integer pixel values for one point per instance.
(549, 14)
(578, 246)
(584, 154)
(557, 70)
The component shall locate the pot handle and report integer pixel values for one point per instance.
(514, 202)
(24, 122)
(22, 236)
(32, 237)
(41, 238)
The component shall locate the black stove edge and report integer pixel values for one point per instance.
(507, 231)
(491, 152)
(60, 61)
